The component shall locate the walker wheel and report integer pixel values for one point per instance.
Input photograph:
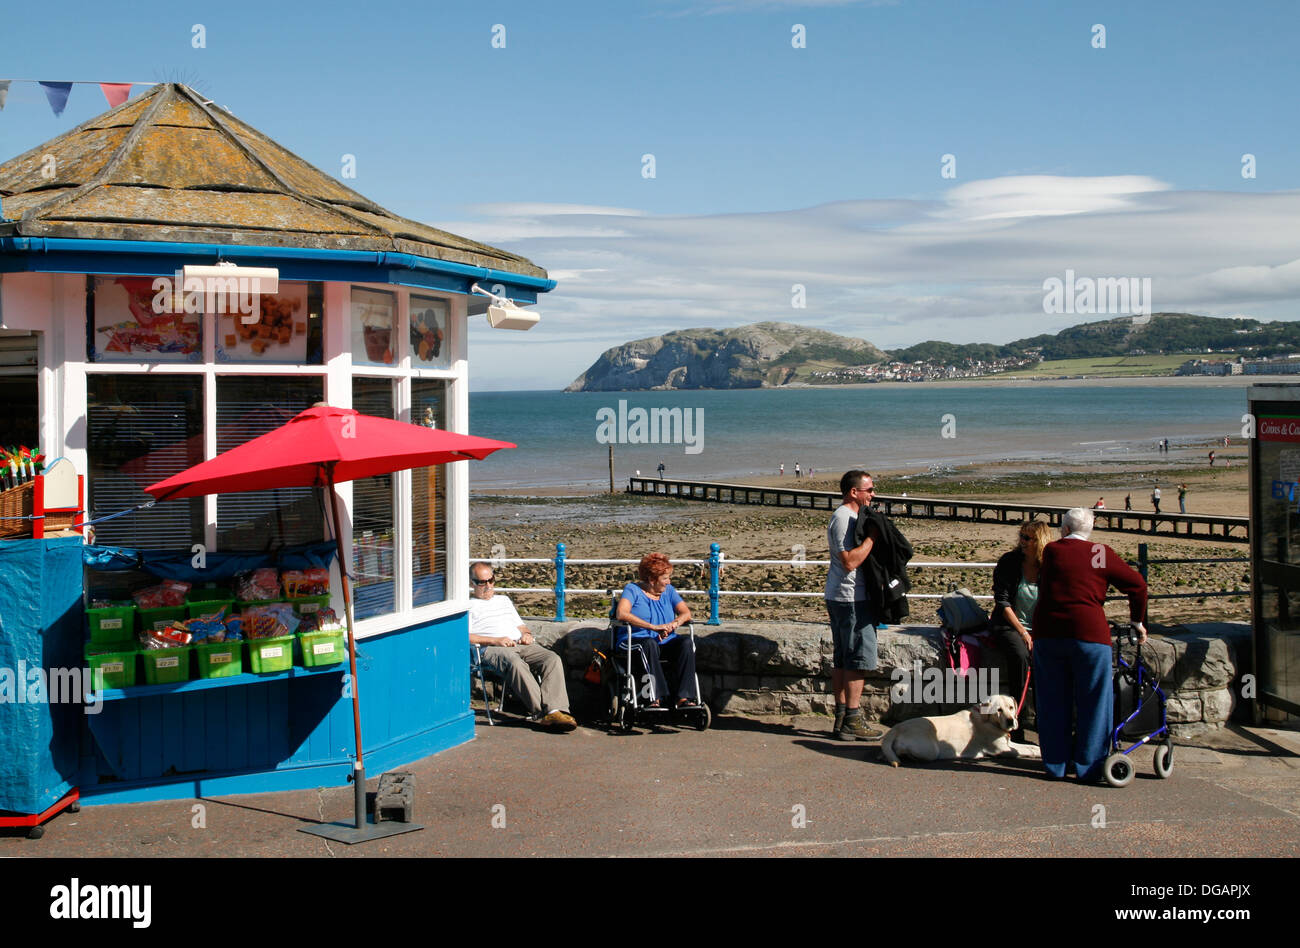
(74, 808)
(1164, 759)
(1119, 770)
(36, 832)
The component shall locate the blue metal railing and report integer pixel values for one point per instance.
(716, 560)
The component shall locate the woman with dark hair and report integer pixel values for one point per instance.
(654, 610)
(1015, 593)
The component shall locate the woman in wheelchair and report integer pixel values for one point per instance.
(654, 611)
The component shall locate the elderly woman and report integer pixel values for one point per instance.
(655, 611)
(1072, 645)
(1015, 593)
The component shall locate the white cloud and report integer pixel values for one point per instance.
(967, 266)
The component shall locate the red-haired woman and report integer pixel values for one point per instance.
(655, 611)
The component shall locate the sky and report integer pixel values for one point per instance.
(895, 171)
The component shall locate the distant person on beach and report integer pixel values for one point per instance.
(1128, 501)
(1015, 592)
(1072, 646)
(1100, 504)
(781, 472)
(654, 611)
(797, 472)
(661, 470)
(1182, 498)
(1211, 459)
(1155, 498)
(509, 650)
(852, 629)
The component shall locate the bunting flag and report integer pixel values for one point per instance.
(115, 92)
(4, 92)
(57, 93)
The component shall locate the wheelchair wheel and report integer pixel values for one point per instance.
(1164, 759)
(702, 717)
(624, 718)
(1119, 770)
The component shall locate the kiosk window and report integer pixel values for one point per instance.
(140, 430)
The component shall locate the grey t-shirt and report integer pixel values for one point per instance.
(841, 584)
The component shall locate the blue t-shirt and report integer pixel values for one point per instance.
(659, 611)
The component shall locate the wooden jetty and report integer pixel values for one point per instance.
(1194, 526)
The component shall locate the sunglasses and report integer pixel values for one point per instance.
(483, 582)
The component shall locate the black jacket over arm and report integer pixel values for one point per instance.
(885, 570)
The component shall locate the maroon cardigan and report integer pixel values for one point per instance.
(1072, 591)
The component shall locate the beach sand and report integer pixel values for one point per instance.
(528, 523)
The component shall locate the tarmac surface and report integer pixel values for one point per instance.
(770, 787)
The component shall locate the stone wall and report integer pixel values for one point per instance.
(785, 668)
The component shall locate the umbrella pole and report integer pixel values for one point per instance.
(359, 769)
(360, 831)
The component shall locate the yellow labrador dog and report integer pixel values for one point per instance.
(982, 731)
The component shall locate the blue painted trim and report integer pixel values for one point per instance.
(203, 684)
(160, 258)
(331, 774)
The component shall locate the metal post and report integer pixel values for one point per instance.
(1143, 566)
(715, 581)
(559, 582)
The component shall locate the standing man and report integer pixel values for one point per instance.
(1155, 497)
(661, 470)
(781, 472)
(797, 472)
(510, 650)
(1182, 498)
(852, 629)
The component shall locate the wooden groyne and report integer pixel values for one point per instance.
(1194, 526)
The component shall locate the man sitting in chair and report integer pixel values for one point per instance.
(509, 649)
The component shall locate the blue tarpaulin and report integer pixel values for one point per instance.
(41, 622)
(213, 566)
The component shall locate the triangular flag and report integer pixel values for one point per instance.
(115, 92)
(57, 93)
(4, 92)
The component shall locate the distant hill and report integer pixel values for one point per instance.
(770, 354)
(761, 355)
(1164, 333)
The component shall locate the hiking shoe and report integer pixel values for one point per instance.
(856, 728)
(838, 725)
(559, 721)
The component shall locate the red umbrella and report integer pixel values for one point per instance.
(321, 447)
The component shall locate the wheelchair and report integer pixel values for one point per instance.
(630, 687)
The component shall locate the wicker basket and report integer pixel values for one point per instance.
(16, 502)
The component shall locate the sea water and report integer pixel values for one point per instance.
(752, 431)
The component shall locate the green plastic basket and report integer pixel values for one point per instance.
(111, 669)
(309, 605)
(220, 659)
(202, 602)
(161, 617)
(323, 648)
(270, 655)
(166, 666)
(112, 625)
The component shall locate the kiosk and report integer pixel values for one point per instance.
(140, 373)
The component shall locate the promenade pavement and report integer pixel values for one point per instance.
(772, 787)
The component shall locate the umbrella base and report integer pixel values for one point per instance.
(350, 834)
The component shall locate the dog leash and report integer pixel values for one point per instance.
(1029, 670)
